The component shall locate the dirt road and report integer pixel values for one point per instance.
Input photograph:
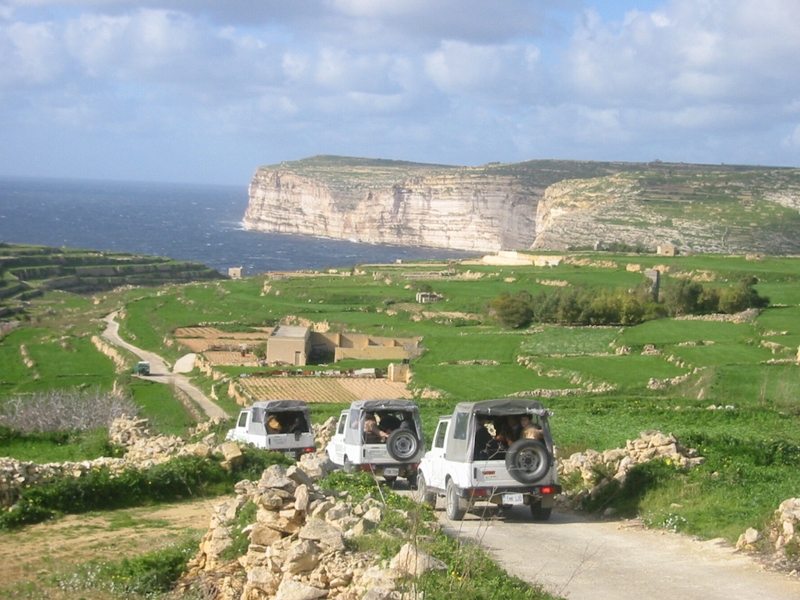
(620, 560)
(159, 371)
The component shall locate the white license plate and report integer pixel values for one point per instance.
(391, 472)
(291, 454)
(512, 498)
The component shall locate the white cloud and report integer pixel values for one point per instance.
(689, 51)
(504, 72)
(30, 55)
(440, 80)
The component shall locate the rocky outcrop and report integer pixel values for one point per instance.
(537, 205)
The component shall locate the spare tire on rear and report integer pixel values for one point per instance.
(402, 444)
(528, 460)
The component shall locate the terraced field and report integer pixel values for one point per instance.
(323, 389)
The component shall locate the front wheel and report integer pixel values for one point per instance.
(423, 493)
(348, 466)
(454, 506)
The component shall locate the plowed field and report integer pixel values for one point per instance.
(323, 389)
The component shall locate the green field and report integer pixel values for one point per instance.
(752, 447)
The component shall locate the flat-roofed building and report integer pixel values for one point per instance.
(288, 345)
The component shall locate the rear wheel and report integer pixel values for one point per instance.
(390, 480)
(538, 513)
(454, 506)
(412, 480)
(423, 493)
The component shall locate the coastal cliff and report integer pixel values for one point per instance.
(464, 209)
(542, 205)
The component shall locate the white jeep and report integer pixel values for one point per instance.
(391, 446)
(467, 463)
(277, 425)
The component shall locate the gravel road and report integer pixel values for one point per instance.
(159, 371)
(582, 559)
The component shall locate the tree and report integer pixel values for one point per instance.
(742, 296)
(512, 311)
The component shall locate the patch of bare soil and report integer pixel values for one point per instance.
(31, 556)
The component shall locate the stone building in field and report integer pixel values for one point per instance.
(288, 345)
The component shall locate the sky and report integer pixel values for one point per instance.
(206, 91)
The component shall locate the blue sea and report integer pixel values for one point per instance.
(199, 223)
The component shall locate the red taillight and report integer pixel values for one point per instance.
(547, 490)
(479, 493)
(308, 450)
(366, 467)
(414, 467)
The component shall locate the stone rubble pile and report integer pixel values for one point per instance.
(783, 532)
(297, 547)
(650, 445)
(323, 433)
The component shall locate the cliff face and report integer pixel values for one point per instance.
(543, 205)
(465, 211)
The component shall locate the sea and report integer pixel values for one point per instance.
(198, 223)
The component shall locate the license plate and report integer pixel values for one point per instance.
(512, 498)
(391, 472)
(291, 454)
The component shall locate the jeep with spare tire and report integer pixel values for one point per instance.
(380, 436)
(498, 451)
(276, 425)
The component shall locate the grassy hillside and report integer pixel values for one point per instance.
(734, 389)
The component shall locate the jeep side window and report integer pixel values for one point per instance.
(460, 429)
(441, 434)
(242, 419)
(342, 421)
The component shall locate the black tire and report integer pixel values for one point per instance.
(454, 506)
(528, 461)
(390, 480)
(538, 513)
(402, 445)
(411, 478)
(348, 466)
(423, 493)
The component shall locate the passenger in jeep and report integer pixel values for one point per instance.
(373, 433)
(388, 422)
(483, 439)
(530, 430)
(504, 426)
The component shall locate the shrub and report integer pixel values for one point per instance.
(65, 410)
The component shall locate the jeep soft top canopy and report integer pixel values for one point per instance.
(375, 405)
(280, 405)
(503, 406)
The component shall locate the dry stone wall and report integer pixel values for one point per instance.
(617, 462)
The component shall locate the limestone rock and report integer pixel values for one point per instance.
(414, 561)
